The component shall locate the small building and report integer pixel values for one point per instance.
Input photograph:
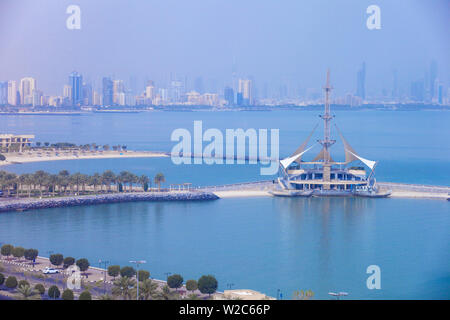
(11, 142)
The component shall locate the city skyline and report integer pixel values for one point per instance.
(283, 48)
(243, 92)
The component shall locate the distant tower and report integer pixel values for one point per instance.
(27, 86)
(76, 82)
(394, 84)
(246, 89)
(198, 85)
(3, 92)
(433, 76)
(12, 92)
(107, 91)
(361, 82)
(229, 96)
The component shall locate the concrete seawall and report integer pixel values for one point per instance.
(31, 204)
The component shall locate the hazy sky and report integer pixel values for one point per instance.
(272, 41)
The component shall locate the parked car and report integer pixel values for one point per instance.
(50, 271)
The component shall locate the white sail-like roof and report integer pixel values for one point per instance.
(286, 162)
(371, 164)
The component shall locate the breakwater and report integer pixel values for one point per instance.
(31, 204)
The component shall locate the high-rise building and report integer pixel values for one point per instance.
(96, 99)
(149, 93)
(239, 99)
(108, 91)
(76, 82)
(118, 92)
(3, 92)
(36, 101)
(87, 94)
(67, 92)
(394, 94)
(418, 91)
(433, 76)
(27, 86)
(246, 89)
(361, 82)
(198, 85)
(176, 91)
(440, 93)
(228, 94)
(12, 92)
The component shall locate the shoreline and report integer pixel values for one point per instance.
(19, 159)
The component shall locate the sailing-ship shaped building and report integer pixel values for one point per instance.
(323, 176)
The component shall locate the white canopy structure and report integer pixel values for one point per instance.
(371, 164)
(286, 162)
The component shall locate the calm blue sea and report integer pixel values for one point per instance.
(259, 243)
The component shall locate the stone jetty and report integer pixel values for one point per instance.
(44, 203)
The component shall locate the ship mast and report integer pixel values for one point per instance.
(327, 142)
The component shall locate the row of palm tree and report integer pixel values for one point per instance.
(65, 183)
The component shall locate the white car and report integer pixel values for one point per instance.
(50, 271)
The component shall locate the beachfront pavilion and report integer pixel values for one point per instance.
(11, 142)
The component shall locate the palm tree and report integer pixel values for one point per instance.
(75, 180)
(27, 179)
(95, 180)
(166, 294)
(84, 180)
(21, 181)
(64, 177)
(159, 178)
(132, 178)
(144, 180)
(123, 287)
(40, 178)
(147, 289)
(123, 177)
(53, 182)
(27, 293)
(108, 177)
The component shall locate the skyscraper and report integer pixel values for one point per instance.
(228, 94)
(27, 86)
(198, 85)
(433, 76)
(118, 92)
(418, 91)
(12, 93)
(107, 91)
(87, 94)
(3, 92)
(246, 89)
(361, 82)
(76, 81)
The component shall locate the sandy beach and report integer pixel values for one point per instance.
(39, 157)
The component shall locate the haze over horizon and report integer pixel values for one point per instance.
(272, 42)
